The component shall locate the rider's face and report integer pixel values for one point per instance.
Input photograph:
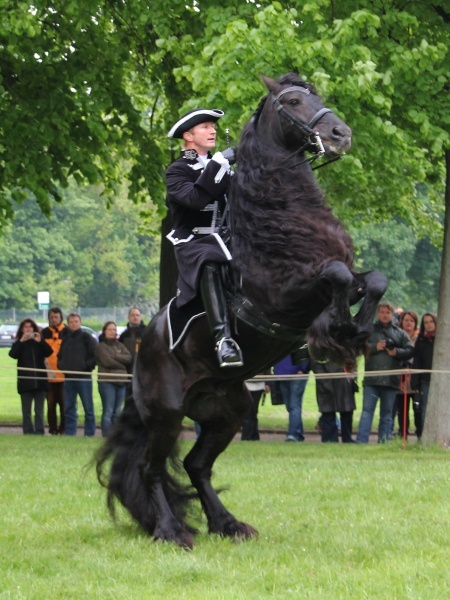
(202, 137)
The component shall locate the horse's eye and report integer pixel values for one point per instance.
(294, 102)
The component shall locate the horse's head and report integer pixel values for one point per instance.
(304, 122)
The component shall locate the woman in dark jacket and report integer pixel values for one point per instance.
(334, 395)
(30, 351)
(423, 359)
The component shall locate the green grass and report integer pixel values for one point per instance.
(335, 522)
(270, 417)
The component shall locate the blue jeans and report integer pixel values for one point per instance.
(370, 399)
(113, 396)
(292, 394)
(72, 389)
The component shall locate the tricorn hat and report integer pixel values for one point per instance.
(193, 118)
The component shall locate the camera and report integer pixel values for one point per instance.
(31, 336)
(390, 344)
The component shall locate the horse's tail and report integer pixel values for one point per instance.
(120, 466)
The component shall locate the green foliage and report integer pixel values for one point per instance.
(387, 75)
(411, 264)
(84, 254)
(90, 90)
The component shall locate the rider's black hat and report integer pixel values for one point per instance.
(193, 118)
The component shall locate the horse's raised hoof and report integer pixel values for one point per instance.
(236, 530)
(180, 537)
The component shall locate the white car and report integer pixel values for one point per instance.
(8, 335)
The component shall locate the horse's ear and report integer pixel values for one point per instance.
(271, 84)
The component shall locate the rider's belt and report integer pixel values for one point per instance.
(205, 230)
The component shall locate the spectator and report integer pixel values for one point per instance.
(77, 353)
(250, 430)
(132, 336)
(112, 359)
(292, 393)
(423, 359)
(30, 351)
(335, 396)
(53, 335)
(388, 347)
(408, 321)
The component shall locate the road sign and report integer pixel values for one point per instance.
(43, 299)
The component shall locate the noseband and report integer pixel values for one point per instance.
(313, 141)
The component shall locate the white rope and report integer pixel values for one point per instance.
(115, 376)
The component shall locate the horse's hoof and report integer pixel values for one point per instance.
(236, 530)
(181, 538)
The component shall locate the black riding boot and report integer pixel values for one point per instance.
(228, 352)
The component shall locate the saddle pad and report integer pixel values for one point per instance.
(180, 319)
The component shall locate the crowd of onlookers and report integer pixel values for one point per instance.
(397, 343)
(56, 364)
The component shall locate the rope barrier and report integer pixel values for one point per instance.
(115, 376)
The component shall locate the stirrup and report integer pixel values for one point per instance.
(237, 359)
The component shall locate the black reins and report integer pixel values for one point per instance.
(313, 141)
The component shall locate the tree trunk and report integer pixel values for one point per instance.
(168, 270)
(437, 421)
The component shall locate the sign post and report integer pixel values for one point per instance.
(43, 299)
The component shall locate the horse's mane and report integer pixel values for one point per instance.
(274, 196)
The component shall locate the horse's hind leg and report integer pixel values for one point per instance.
(163, 491)
(214, 437)
(160, 407)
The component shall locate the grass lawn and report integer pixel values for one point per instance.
(270, 417)
(335, 522)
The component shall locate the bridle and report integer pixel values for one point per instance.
(313, 143)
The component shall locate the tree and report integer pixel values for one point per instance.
(109, 258)
(437, 422)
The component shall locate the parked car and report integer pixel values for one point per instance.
(90, 331)
(8, 335)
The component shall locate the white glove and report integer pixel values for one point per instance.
(224, 166)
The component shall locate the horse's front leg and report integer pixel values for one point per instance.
(371, 287)
(214, 437)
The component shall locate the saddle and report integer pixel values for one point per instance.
(179, 320)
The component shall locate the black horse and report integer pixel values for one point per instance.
(291, 281)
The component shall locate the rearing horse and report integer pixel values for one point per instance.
(292, 281)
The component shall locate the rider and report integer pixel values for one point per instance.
(196, 185)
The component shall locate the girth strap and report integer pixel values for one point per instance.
(246, 312)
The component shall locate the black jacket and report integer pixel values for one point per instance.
(381, 360)
(131, 339)
(423, 359)
(190, 189)
(195, 200)
(334, 395)
(77, 353)
(31, 354)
